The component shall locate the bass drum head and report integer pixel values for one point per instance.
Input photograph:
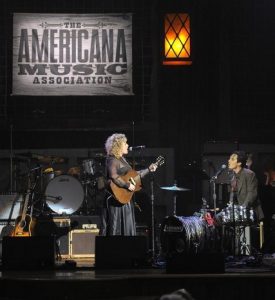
(64, 194)
(187, 235)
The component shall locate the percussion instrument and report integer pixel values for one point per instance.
(64, 194)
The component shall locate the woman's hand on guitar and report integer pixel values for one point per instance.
(153, 167)
(131, 187)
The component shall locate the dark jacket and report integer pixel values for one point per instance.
(247, 191)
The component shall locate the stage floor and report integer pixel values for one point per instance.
(79, 279)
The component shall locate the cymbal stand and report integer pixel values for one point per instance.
(213, 180)
(86, 183)
(175, 200)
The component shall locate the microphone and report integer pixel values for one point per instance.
(222, 168)
(136, 148)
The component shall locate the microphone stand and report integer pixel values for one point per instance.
(213, 179)
(152, 196)
(11, 158)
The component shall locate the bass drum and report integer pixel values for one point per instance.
(187, 235)
(64, 194)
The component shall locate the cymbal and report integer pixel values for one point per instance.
(74, 171)
(174, 188)
(58, 172)
(44, 159)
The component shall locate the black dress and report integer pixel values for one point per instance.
(117, 218)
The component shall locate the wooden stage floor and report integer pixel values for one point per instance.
(82, 281)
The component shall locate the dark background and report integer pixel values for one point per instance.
(227, 94)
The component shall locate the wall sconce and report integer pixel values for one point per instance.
(177, 41)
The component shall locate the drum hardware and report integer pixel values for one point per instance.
(88, 166)
(236, 221)
(100, 155)
(93, 186)
(86, 183)
(174, 188)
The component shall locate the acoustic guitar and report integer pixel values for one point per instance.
(123, 195)
(24, 222)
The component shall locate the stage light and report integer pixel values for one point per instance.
(177, 39)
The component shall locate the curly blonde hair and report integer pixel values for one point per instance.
(113, 144)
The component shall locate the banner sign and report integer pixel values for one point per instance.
(69, 54)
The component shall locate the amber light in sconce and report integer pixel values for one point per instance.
(177, 43)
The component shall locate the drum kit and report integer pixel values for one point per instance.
(206, 231)
(55, 191)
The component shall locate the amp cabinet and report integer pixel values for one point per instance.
(70, 242)
(82, 243)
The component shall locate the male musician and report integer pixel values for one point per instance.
(244, 184)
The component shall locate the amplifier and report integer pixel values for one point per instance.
(82, 242)
(70, 242)
(62, 222)
(10, 205)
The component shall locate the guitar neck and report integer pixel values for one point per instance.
(25, 207)
(137, 177)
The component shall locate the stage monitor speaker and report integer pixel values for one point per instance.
(120, 252)
(35, 252)
(195, 263)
